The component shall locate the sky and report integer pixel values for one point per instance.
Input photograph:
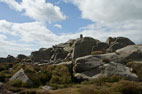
(27, 25)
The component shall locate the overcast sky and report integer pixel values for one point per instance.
(27, 25)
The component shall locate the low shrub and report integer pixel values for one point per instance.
(103, 80)
(15, 89)
(60, 75)
(17, 83)
(5, 66)
(5, 75)
(96, 90)
(127, 87)
(121, 87)
(44, 77)
(128, 61)
(16, 68)
(34, 91)
(137, 68)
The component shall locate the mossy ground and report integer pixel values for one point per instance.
(61, 80)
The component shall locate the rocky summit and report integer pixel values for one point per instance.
(75, 61)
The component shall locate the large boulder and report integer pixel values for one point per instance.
(42, 55)
(3, 60)
(20, 75)
(111, 57)
(87, 66)
(101, 46)
(58, 55)
(86, 63)
(92, 67)
(83, 46)
(21, 57)
(117, 43)
(67, 46)
(113, 68)
(9, 58)
(133, 52)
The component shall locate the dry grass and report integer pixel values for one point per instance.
(34, 91)
(97, 52)
(137, 68)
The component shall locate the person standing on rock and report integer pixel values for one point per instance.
(81, 36)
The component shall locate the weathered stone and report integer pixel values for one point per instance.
(133, 52)
(83, 46)
(21, 57)
(117, 43)
(113, 47)
(58, 55)
(8, 59)
(69, 64)
(4, 89)
(3, 60)
(101, 46)
(91, 67)
(112, 57)
(110, 40)
(108, 70)
(86, 63)
(67, 46)
(20, 75)
(42, 54)
(112, 69)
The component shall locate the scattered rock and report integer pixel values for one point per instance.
(42, 54)
(58, 53)
(21, 57)
(86, 63)
(112, 68)
(133, 52)
(101, 46)
(117, 43)
(83, 46)
(92, 67)
(67, 46)
(20, 75)
(47, 88)
(3, 60)
(107, 70)
(8, 59)
(4, 89)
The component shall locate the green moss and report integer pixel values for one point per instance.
(18, 83)
(16, 68)
(5, 75)
(121, 87)
(5, 66)
(61, 75)
(127, 87)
